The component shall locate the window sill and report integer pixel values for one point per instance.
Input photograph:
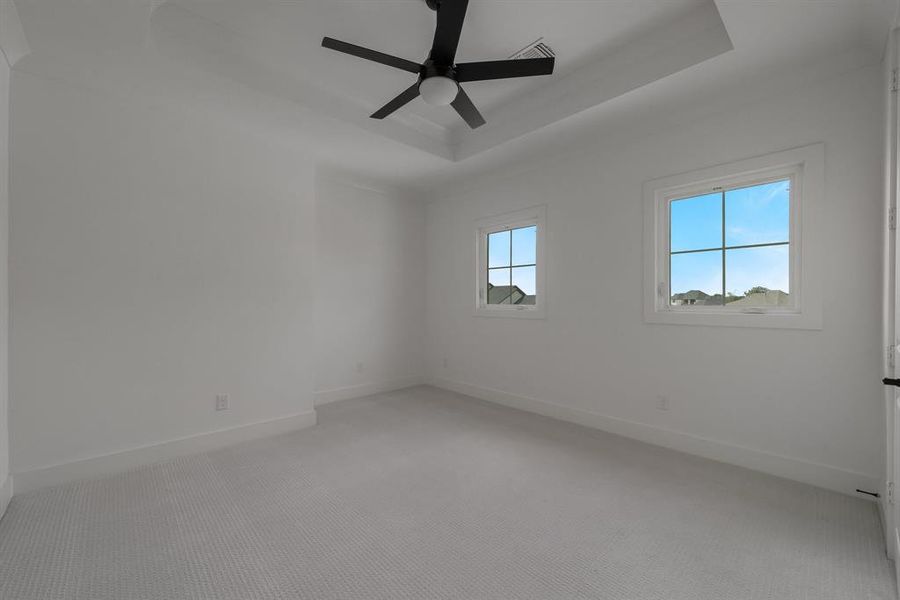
(765, 320)
(511, 313)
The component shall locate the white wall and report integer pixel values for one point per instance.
(5, 482)
(370, 288)
(156, 259)
(804, 404)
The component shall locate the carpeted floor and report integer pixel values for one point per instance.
(424, 494)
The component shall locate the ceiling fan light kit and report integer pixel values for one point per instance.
(439, 76)
(438, 90)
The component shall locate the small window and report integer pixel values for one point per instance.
(510, 271)
(730, 245)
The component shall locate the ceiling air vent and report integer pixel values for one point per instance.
(536, 49)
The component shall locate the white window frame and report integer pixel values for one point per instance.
(805, 168)
(536, 215)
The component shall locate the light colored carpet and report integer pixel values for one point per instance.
(424, 494)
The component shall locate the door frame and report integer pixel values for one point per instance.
(890, 509)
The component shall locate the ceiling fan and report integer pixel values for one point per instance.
(439, 76)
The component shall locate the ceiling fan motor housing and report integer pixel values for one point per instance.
(429, 69)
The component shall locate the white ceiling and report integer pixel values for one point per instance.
(275, 47)
(290, 33)
(618, 61)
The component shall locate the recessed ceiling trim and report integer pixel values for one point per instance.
(663, 51)
(200, 42)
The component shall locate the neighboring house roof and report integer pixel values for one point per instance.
(766, 298)
(762, 297)
(691, 295)
(508, 294)
(696, 297)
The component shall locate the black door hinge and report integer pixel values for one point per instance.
(889, 381)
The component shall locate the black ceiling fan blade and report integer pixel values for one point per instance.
(405, 96)
(465, 108)
(450, 17)
(504, 69)
(373, 55)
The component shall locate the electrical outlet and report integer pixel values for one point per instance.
(662, 403)
(445, 363)
(221, 401)
(360, 367)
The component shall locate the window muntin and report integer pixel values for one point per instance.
(730, 248)
(806, 247)
(512, 266)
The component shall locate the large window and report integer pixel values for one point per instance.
(730, 245)
(510, 269)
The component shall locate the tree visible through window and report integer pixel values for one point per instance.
(512, 266)
(731, 247)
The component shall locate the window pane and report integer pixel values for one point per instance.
(524, 246)
(498, 286)
(697, 279)
(758, 215)
(758, 276)
(524, 285)
(498, 249)
(696, 223)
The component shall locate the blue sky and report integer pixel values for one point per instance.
(753, 215)
(516, 247)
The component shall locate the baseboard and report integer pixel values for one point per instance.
(365, 389)
(6, 491)
(824, 476)
(885, 527)
(896, 537)
(117, 462)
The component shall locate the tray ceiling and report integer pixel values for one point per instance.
(603, 49)
(623, 66)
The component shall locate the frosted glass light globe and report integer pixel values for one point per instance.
(438, 90)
